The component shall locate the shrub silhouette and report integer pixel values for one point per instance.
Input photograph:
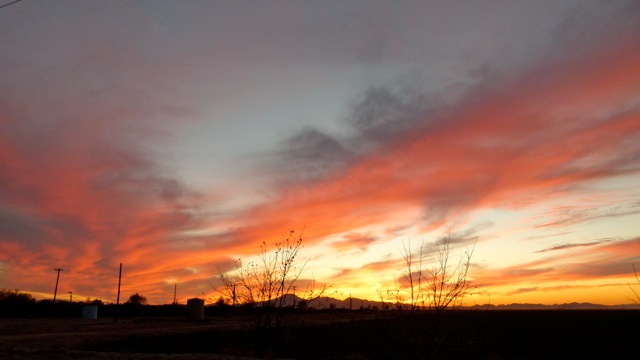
(90, 301)
(8, 296)
(15, 303)
(137, 299)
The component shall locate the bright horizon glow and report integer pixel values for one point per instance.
(176, 137)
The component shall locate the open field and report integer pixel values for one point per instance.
(340, 335)
(62, 338)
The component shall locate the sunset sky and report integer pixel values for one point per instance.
(177, 136)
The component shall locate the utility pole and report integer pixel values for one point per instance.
(70, 297)
(118, 298)
(55, 292)
(175, 290)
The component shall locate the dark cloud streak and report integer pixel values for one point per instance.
(571, 245)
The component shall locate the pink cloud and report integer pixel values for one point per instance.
(531, 139)
(600, 260)
(354, 241)
(81, 185)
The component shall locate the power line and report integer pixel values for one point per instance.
(9, 3)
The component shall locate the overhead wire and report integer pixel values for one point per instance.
(9, 3)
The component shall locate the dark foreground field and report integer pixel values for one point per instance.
(553, 334)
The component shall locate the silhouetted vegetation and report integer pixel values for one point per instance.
(344, 334)
(8, 296)
(137, 299)
(636, 298)
(435, 288)
(279, 325)
(266, 288)
(90, 301)
(327, 333)
(438, 287)
(15, 302)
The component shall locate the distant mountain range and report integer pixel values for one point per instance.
(357, 304)
(569, 306)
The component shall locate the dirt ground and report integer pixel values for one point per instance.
(68, 338)
(481, 335)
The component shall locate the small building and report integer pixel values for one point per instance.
(195, 309)
(90, 312)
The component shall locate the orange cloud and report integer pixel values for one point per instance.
(611, 259)
(531, 138)
(525, 142)
(353, 241)
(88, 193)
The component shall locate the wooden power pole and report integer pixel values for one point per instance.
(55, 292)
(118, 297)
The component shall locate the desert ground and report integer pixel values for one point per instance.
(323, 335)
(74, 338)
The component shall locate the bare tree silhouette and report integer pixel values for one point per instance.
(441, 286)
(635, 293)
(266, 287)
(414, 275)
(437, 288)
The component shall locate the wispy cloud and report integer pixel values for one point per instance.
(354, 241)
(558, 288)
(86, 168)
(82, 186)
(570, 245)
(571, 215)
(503, 148)
(604, 259)
(307, 156)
